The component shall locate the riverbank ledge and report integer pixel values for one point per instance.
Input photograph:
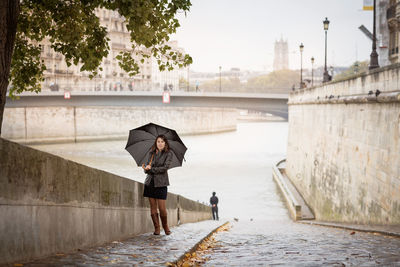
(343, 148)
(52, 205)
(65, 124)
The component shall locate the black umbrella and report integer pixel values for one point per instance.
(142, 139)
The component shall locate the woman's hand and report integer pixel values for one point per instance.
(148, 167)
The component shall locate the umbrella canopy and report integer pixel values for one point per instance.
(142, 139)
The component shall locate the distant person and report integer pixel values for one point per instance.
(214, 206)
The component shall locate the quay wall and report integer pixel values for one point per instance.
(51, 124)
(52, 205)
(343, 150)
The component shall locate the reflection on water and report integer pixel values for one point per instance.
(237, 165)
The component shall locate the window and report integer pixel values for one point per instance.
(394, 42)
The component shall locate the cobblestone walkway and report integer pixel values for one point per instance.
(285, 243)
(142, 250)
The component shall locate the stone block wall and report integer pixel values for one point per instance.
(51, 205)
(344, 148)
(70, 124)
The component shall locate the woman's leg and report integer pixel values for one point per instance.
(154, 215)
(153, 205)
(163, 215)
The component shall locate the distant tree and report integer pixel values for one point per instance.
(276, 81)
(227, 85)
(354, 69)
(75, 31)
(183, 84)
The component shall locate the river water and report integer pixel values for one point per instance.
(236, 165)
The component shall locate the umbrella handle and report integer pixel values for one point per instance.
(151, 160)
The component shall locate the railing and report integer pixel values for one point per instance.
(64, 71)
(116, 45)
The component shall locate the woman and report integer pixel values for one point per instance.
(156, 182)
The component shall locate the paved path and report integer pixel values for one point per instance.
(390, 230)
(142, 250)
(243, 181)
(285, 243)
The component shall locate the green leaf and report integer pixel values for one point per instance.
(74, 30)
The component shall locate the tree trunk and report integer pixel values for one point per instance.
(9, 11)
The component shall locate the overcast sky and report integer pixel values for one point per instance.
(241, 33)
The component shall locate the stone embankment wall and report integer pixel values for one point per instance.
(51, 205)
(344, 147)
(70, 124)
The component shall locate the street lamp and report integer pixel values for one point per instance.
(220, 87)
(356, 67)
(312, 71)
(301, 65)
(188, 81)
(326, 78)
(373, 63)
(55, 73)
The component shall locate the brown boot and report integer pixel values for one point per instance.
(165, 224)
(156, 223)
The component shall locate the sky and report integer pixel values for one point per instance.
(241, 33)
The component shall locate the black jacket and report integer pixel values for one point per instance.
(214, 200)
(159, 169)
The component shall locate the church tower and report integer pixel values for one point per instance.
(281, 55)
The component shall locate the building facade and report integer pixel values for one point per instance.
(59, 77)
(393, 28)
(168, 80)
(382, 33)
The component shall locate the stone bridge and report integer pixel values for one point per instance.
(275, 104)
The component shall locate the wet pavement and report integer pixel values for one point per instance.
(238, 166)
(142, 250)
(281, 242)
(389, 230)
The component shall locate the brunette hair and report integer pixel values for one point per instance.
(166, 148)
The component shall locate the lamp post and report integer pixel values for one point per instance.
(326, 74)
(220, 87)
(312, 71)
(301, 65)
(55, 73)
(188, 82)
(356, 67)
(373, 63)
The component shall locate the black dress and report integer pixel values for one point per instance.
(155, 192)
